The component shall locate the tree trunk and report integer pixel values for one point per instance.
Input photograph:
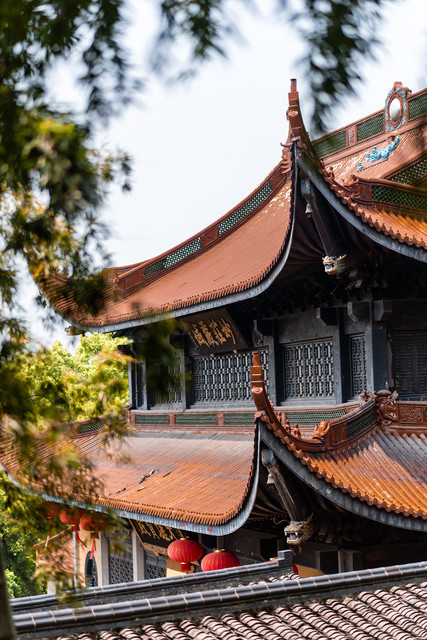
(7, 629)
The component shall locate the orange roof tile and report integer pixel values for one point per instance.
(383, 468)
(184, 475)
(372, 453)
(237, 252)
(237, 262)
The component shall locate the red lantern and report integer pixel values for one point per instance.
(72, 517)
(219, 559)
(50, 509)
(93, 522)
(185, 551)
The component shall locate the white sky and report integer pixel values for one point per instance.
(200, 147)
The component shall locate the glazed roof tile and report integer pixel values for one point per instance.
(379, 461)
(237, 262)
(238, 251)
(274, 570)
(379, 603)
(381, 470)
(185, 475)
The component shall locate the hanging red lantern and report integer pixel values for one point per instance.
(185, 551)
(219, 559)
(50, 509)
(71, 516)
(93, 522)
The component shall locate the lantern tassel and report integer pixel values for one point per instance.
(76, 530)
(92, 551)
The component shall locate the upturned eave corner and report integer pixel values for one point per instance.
(297, 133)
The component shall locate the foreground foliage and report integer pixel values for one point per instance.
(83, 384)
(79, 385)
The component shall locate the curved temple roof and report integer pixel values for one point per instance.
(372, 171)
(195, 478)
(375, 454)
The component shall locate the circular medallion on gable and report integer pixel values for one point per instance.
(395, 113)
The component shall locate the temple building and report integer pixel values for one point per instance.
(322, 272)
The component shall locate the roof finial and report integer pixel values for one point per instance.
(293, 84)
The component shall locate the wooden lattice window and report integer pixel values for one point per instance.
(308, 370)
(410, 364)
(120, 565)
(358, 365)
(155, 566)
(225, 378)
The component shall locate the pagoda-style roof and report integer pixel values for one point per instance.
(371, 172)
(197, 478)
(370, 461)
(367, 458)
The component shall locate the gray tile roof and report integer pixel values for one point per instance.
(383, 604)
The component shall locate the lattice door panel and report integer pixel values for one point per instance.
(308, 370)
(138, 385)
(120, 567)
(173, 394)
(225, 378)
(155, 566)
(410, 364)
(358, 365)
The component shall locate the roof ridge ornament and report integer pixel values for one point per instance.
(297, 131)
(396, 107)
(386, 402)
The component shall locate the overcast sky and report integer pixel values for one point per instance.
(200, 147)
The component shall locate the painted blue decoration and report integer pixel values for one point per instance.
(379, 154)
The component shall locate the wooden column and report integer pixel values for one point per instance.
(376, 353)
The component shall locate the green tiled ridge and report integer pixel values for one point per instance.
(246, 209)
(182, 253)
(331, 144)
(238, 419)
(173, 258)
(400, 198)
(370, 127)
(359, 424)
(411, 174)
(417, 106)
(153, 269)
(155, 418)
(188, 419)
(195, 245)
(310, 418)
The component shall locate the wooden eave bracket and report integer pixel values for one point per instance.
(289, 493)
